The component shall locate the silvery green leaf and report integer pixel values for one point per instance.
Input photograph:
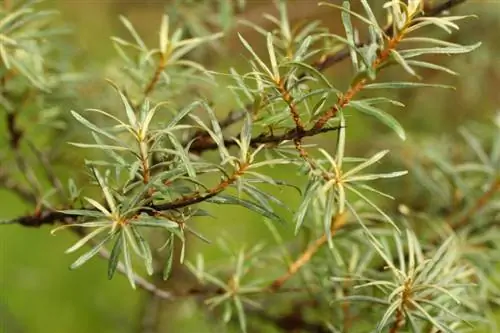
(429, 65)
(183, 113)
(145, 249)
(156, 223)
(30, 71)
(255, 56)
(230, 200)
(183, 154)
(368, 177)
(170, 257)
(374, 159)
(85, 239)
(329, 214)
(263, 197)
(476, 145)
(83, 212)
(346, 21)
(435, 41)
(240, 311)
(402, 61)
(99, 146)
(129, 110)
(302, 49)
(389, 313)
(216, 133)
(88, 255)
(372, 18)
(339, 158)
(133, 32)
(379, 100)
(444, 22)
(347, 10)
(246, 135)
(369, 202)
(99, 206)
(401, 85)
(105, 190)
(314, 71)
(128, 262)
(309, 195)
(111, 152)
(92, 127)
(122, 125)
(406, 54)
(164, 34)
(114, 258)
(272, 58)
(284, 22)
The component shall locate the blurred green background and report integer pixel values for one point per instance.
(39, 294)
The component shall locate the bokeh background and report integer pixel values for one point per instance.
(39, 294)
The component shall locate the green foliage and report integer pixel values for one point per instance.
(148, 170)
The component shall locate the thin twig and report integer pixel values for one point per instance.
(200, 146)
(52, 216)
(398, 321)
(337, 223)
(480, 203)
(156, 75)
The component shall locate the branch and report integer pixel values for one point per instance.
(337, 223)
(156, 75)
(52, 216)
(321, 65)
(329, 60)
(203, 144)
(480, 203)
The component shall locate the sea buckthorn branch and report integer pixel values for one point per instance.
(344, 99)
(337, 223)
(339, 220)
(201, 145)
(204, 141)
(486, 197)
(162, 63)
(53, 216)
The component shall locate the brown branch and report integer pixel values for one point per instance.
(343, 100)
(53, 216)
(337, 223)
(322, 64)
(328, 61)
(156, 75)
(465, 219)
(398, 321)
(480, 203)
(15, 134)
(346, 309)
(202, 145)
